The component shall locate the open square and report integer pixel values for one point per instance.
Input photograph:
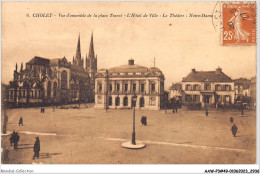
(88, 136)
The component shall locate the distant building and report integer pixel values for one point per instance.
(115, 87)
(252, 90)
(46, 81)
(241, 88)
(208, 87)
(175, 91)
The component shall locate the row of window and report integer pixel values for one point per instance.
(23, 94)
(207, 86)
(218, 98)
(32, 94)
(125, 101)
(142, 87)
(134, 73)
(192, 98)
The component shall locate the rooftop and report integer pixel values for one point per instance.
(207, 76)
(132, 68)
(39, 61)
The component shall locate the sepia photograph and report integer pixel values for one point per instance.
(129, 82)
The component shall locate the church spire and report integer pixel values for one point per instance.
(78, 52)
(21, 67)
(91, 53)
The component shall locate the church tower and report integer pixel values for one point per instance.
(78, 61)
(91, 60)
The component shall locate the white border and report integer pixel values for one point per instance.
(112, 168)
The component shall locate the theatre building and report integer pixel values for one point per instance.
(115, 87)
(208, 87)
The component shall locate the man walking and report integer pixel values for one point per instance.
(231, 119)
(207, 112)
(142, 120)
(234, 130)
(21, 121)
(145, 121)
(12, 138)
(15, 139)
(36, 148)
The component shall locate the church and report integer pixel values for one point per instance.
(45, 81)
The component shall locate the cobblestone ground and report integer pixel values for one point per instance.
(88, 136)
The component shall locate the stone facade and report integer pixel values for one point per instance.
(115, 87)
(175, 91)
(241, 88)
(46, 81)
(208, 87)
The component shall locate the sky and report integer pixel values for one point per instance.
(178, 44)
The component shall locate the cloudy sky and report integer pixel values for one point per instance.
(178, 44)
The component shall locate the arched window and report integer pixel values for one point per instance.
(49, 89)
(117, 101)
(125, 101)
(64, 79)
(141, 102)
(110, 101)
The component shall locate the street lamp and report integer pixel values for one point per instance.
(134, 98)
(133, 144)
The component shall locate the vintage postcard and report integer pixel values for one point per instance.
(128, 82)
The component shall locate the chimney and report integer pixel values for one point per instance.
(193, 70)
(219, 70)
(131, 62)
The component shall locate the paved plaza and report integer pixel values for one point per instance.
(89, 136)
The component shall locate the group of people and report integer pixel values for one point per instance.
(175, 109)
(14, 139)
(144, 121)
(234, 128)
(42, 109)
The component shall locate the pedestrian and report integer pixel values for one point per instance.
(145, 121)
(176, 109)
(16, 138)
(12, 138)
(234, 130)
(21, 121)
(142, 120)
(173, 111)
(43, 109)
(36, 148)
(231, 119)
(207, 112)
(242, 111)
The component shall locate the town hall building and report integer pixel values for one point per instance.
(115, 87)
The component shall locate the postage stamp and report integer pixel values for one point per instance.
(238, 24)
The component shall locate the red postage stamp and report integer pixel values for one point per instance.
(238, 24)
